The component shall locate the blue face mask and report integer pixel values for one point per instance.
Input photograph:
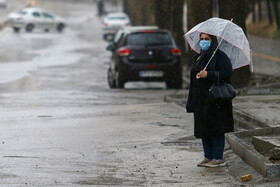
(205, 44)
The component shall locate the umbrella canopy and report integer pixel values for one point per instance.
(231, 39)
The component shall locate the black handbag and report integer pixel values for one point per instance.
(221, 91)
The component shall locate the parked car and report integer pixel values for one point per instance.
(145, 55)
(121, 31)
(31, 18)
(3, 3)
(113, 22)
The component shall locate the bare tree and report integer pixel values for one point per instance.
(169, 15)
(252, 4)
(269, 11)
(198, 11)
(141, 12)
(260, 9)
(164, 13)
(237, 12)
(276, 11)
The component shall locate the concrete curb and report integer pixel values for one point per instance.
(243, 120)
(250, 155)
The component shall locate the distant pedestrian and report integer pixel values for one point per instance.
(212, 119)
(100, 7)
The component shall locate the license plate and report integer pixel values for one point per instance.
(151, 74)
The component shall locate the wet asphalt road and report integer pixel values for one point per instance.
(62, 126)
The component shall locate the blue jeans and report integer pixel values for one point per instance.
(214, 147)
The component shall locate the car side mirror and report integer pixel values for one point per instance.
(110, 47)
(109, 38)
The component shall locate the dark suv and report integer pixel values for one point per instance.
(145, 55)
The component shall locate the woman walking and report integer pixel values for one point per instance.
(212, 119)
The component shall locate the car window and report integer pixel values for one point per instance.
(117, 18)
(118, 36)
(36, 14)
(153, 38)
(121, 41)
(46, 15)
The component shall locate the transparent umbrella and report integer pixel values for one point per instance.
(231, 39)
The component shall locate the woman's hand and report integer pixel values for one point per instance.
(202, 74)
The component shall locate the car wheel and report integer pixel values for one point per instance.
(16, 29)
(29, 28)
(110, 78)
(60, 27)
(119, 80)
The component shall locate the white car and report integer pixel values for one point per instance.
(31, 18)
(114, 21)
(3, 3)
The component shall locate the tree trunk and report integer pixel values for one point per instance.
(241, 76)
(163, 14)
(127, 8)
(198, 11)
(260, 10)
(254, 19)
(169, 15)
(276, 11)
(141, 12)
(236, 12)
(177, 23)
(269, 12)
(124, 5)
(148, 12)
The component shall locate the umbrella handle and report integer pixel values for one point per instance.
(198, 76)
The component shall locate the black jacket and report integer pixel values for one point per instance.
(210, 118)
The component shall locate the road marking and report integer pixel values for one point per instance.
(267, 57)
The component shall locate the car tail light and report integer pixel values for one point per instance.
(176, 52)
(151, 67)
(19, 19)
(124, 52)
